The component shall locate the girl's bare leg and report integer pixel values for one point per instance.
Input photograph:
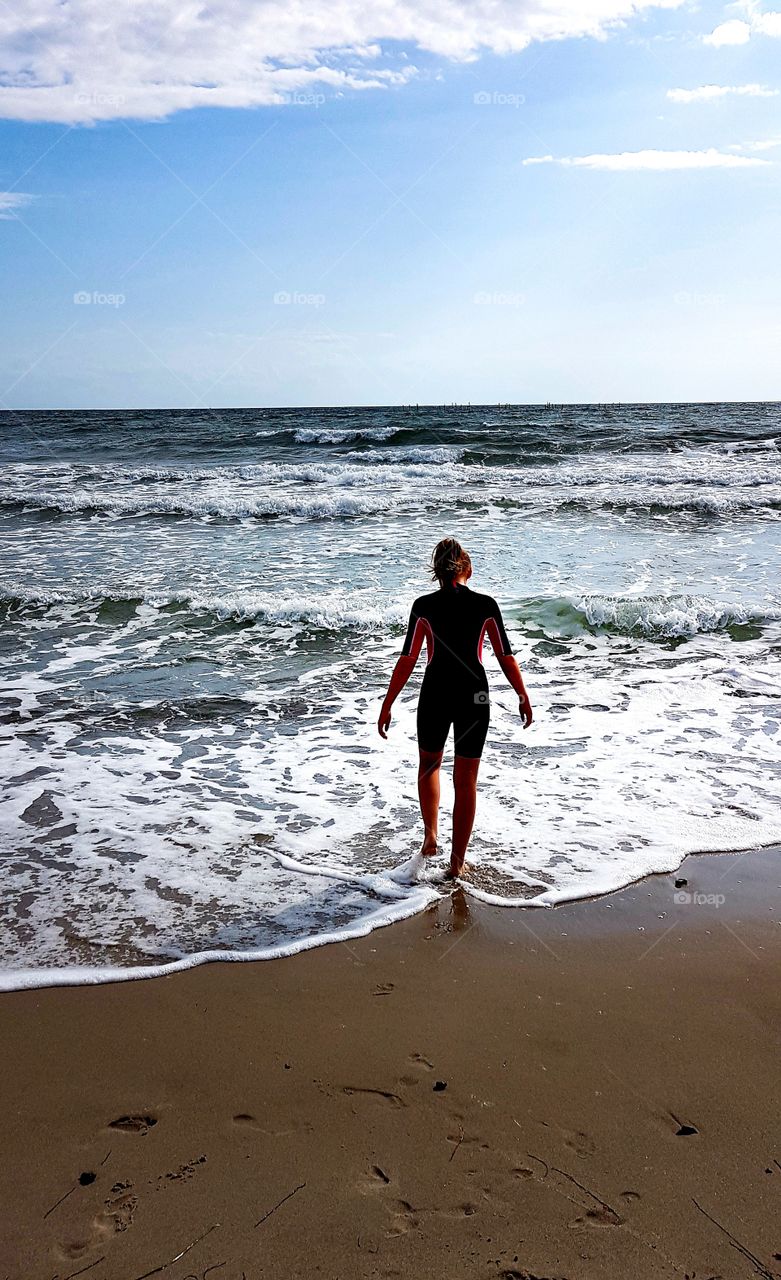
(428, 793)
(465, 770)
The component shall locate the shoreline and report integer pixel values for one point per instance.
(35, 979)
(586, 1093)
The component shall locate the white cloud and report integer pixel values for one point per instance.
(768, 24)
(654, 160)
(706, 92)
(738, 31)
(91, 60)
(10, 201)
(733, 32)
(762, 144)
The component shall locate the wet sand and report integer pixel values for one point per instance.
(586, 1093)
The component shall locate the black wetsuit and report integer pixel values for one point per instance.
(454, 621)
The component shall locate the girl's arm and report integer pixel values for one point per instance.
(402, 671)
(512, 672)
(401, 674)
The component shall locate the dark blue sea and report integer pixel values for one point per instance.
(201, 610)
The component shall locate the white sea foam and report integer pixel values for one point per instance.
(409, 871)
(84, 975)
(762, 466)
(667, 617)
(431, 455)
(320, 435)
(331, 611)
(661, 617)
(328, 505)
(228, 506)
(406, 480)
(600, 792)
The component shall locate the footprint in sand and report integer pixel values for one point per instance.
(118, 1210)
(184, 1173)
(420, 1064)
(136, 1123)
(374, 1180)
(419, 1061)
(74, 1249)
(579, 1142)
(600, 1216)
(403, 1219)
(466, 1209)
(682, 1128)
(595, 1210)
(381, 1095)
(574, 1139)
(117, 1215)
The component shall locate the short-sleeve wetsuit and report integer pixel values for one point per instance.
(454, 622)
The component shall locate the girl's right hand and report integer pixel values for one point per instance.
(525, 708)
(383, 724)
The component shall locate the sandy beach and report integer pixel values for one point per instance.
(585, 1093)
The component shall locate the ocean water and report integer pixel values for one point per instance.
(201, 611)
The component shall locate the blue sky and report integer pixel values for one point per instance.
(462, 209)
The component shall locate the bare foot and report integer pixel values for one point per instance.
(429, 847)
(458, 873)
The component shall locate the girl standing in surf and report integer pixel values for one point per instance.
(453, 621)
